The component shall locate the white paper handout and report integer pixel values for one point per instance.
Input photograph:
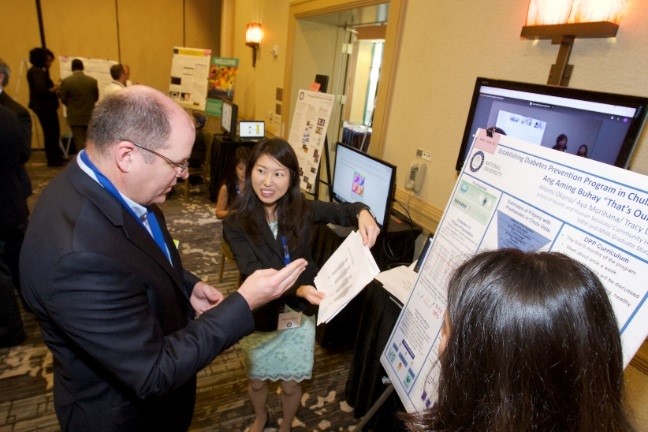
(342, 277)
(398, 281)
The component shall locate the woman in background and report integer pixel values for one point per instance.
(43, 100)
(561, 143)
(530, 343)
(233, 184)
(271, 226)
(582, 151)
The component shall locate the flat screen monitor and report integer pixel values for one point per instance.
(603, 126)
(229, 118)
(359, 177)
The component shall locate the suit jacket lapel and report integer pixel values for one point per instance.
(270, 240)
(119, 216)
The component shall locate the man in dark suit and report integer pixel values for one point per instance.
(79, 93)
(127, 325)
(13, 219)
(13, 239)
(25, 120)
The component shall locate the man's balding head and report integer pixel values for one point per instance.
(139, 114)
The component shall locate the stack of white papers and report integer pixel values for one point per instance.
(342, 277)
(399, 281)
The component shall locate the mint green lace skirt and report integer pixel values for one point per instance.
(281, 354)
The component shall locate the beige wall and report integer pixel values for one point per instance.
(139, 33)
(255, 87)
(446, 45)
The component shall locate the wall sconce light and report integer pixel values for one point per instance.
(253, 36)
(563, 21)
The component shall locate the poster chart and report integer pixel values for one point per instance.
(220, 83)
(98, 69)
(189, 72)
(515, 194)
(308, 132)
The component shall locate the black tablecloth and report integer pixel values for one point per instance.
(365, 382)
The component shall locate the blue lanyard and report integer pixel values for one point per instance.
(156, 231)
(286, 252)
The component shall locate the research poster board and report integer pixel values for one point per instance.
(189, 72)
(98, 69)
(516, 194)
(308, 132)
(221, 83)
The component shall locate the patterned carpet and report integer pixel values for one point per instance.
(26, 380)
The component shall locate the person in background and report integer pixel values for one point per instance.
(561, 143)
(530, 343)
(13, 241)
(25, 120)
(271, 226)
(127, 72)
(199, 150)
(233, 184)
(43, 100)
(119, 80)
(127, 325)
(79, 93)
(13, 221)
(582, 151)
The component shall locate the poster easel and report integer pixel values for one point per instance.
(308, 135)
(494, 210)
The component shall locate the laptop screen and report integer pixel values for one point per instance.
(251, 129)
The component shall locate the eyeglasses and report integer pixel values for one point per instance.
(181, 167)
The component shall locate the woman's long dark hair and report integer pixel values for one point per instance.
(292, 208)
(38, 56)
(533, 346)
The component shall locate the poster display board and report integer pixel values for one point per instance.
(221, 83)
(98, 69)
(308, 132)
(189, 72)
(515, 194)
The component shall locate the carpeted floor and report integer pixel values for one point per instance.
(26, 402)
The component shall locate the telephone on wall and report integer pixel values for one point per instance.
(416, 175)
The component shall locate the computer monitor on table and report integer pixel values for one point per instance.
(229, 119)
(359, 177)
(603, 125)
(251, 130)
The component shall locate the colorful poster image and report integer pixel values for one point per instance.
(222, 78)
(358, 184)
(220, 83)
(189, 68)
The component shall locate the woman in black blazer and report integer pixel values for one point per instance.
(272, 226)
(43, 100)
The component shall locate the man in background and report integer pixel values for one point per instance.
(12, 240)
(79, 93)
(118, 74)
(127, 325)
(13, 220)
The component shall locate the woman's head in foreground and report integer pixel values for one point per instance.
(533, 344)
